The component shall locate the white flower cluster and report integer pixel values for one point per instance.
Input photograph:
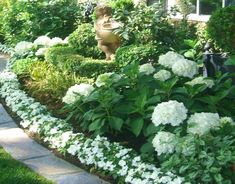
(48, 42)
(164, 142)
(41, 51)
(147, 69)
(202, 123)
(99, 151)
(171, 112)
(169, 59)
(201, 80)
(179, 65)
(162, 75)
(185, 68)
(107, 78)
(23, 47)
(76, 91)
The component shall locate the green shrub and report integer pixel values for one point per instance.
(24, 20)
(221, 28)
(46, 79)
(84, 42)
(138, 53)
(53, 54)
(66, 59)
(23, 66)
(93, 67)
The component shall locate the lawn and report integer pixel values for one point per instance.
(14, 172)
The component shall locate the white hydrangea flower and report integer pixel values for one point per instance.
(185, 68)
(104, 78)
(66, 40)
(77, 90)
(41, 52)
(171, 112)
(42, 40)
(164, 142)
(202, 123)
(139, 2)
(162, 75)
(201, 80)
(169, 59)
(23, 47)
(225, 120)
(147, 69)
(56, 41)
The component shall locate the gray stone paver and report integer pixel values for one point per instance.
(51, 165)
(4, 117)
(35, 156)
(19, 145)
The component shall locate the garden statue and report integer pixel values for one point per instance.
(108, 41)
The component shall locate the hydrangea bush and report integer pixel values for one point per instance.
(110, 157)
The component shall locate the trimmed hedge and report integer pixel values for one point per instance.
(94, 67)
(66, 58)
(53, 54)
(138, 53)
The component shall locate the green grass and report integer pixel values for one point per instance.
(14, 172)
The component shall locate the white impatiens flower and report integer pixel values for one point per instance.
(76, 91)
(23, 47)
(41, 52)
(202, 123)
(201, 80)
(56, 41)
(169, 59)
(171, 112)
(42, 40)
(185, 68)
(147, 69)
(164, 142)
(162, 75)
(106, 78)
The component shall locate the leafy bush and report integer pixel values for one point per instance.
(146, 24)
(221, 31)
(65, 59)
(53, 54)
(93, 67)
(23, 66)
(84, 42)
(138, 53)
(46, 79)
(23, 20)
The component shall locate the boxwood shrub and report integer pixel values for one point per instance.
(221, 28)
(138, 53)
(84, 42)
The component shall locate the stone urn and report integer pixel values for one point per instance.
(108, 41)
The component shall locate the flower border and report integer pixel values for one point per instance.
(113, 158)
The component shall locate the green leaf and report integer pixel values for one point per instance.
(151, 129)
(136, 126)
(230, 61)
(115, 122)
(97, 124)
(154, 100)
(147, 148)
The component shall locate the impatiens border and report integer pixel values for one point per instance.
(111, 157)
